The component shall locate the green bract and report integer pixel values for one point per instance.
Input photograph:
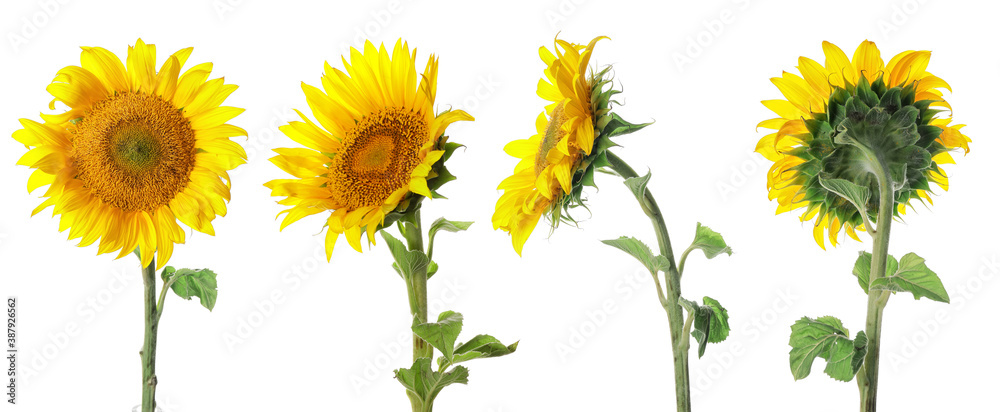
(868, 127)
(606, 126)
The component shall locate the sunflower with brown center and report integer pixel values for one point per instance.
(378, 148)
(137, 150)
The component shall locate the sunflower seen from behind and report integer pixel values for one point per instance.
(858, 140)
(803, 148)
(376, 150)
(137, 150)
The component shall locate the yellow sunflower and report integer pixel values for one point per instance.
(376, 147)
(546, 180)
(137, 150)
(833, 98)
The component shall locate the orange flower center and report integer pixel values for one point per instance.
(378, 155)
(134, 151)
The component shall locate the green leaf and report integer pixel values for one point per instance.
(710, 242)
(425, 383)
(913, 276)
(826, 338)
(638, 186)
(407, 262)
(639, 250)
(441, 334)
(863, 269)
(188, 283)
(860, 349)
(857, 195)
(447, 226)
(618, 126)
(481, 346)
(432, 268)
(711, 322)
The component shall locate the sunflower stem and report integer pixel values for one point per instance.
(868, 375)
(684, 258)
(416, 288)
(675, 314)
(148, 353)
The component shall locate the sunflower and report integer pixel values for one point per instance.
(138, 150)
(377, 150)
(568, 144)
(891, 108)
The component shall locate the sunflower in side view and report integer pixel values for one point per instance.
(560, 159)
(851, 95)
(138, 150)
(856, 143)
(571, 143)
(377, 150)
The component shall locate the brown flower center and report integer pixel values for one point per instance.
(378, 155)
(134, 151)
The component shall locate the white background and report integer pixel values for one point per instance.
(310, 350)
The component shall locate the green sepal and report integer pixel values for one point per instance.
(188, 283)
(618, 126)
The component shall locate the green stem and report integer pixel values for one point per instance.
(148, 353)
(868, 375)
(684, 258)
(416, 289)
(675, 314)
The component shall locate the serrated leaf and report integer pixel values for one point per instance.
(458, 374)
(860, 349)
(407, 262)
(857, 195)
(481, 346)
(188, 283)
(826, 338)
(441, 334)
(425, 383)
(711, 322)
(447, 226)
(710, 242)
(638, 186)
(639, 250)
(862, 269)
(913, 276)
